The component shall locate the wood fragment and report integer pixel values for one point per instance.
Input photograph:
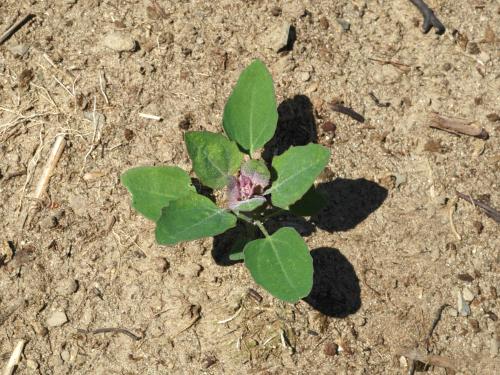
(430, 359)
(150, 116)
(456, 126)
(453, 206)
(55, 154)
(487, 209)
(337, 107)
(14, 358)
(15, 27)
(111, 330)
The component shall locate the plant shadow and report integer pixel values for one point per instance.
(296, 127)
(336, 291)
(349, 202)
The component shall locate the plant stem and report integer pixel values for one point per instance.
(255, 222)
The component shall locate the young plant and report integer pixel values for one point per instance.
(280, 262)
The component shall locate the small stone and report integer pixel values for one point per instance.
(473, 48)
(119, 42)
(403, 362)
(67, 287)
(31, 364)
(161, 264)
(474, 325)
(304, 76)
(49, 222)
(465, 277)
(57, 319)
(40, 329)
(330, 349)
(65, 356)
(484, 57)
(276, 11)
(453, 313)
(344, 25)
(493, 117)
(191, 270)
(492, 315)
(128, 134)
(447, 67)
(19, 50)
(209, 362)
(467, 294)
(462, 305)
(329, 127)
(478, 226)
(323, 22)
(278, 38)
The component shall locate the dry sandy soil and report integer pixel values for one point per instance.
(391, 248)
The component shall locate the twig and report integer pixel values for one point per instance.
(337, 107)
(16, 26)
(150, 117)
(430, 359)
(435, 322)
(378, 103)
(102, 86)
(112, 330)
(14, 358)
(488, 210)
(55, 154)
(453, 205)
(231, 317)
(456, 126)
(430, 18)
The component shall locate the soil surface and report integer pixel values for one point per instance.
(393, 249)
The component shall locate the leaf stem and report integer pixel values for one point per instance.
(254, 222)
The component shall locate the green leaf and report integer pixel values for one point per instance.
(215, 158)
(250, 114)
(250, 204)
(310, 204)
(191, 217)
(152, 188)
(281, 264)
(297, 168)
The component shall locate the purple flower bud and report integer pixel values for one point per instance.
(244, 191)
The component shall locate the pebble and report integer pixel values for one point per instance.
(344, 25)
(473, 48)
(119, 42)
(191, 270)
(65, 356)
(67, 287)
(462, 305)
(57, 319)
(467, 294)
(31, 364)
(19, 50)
(304, 76)
(277, 38)
(330, 349)
(161, 264)
(276, 11)
(48, 222)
